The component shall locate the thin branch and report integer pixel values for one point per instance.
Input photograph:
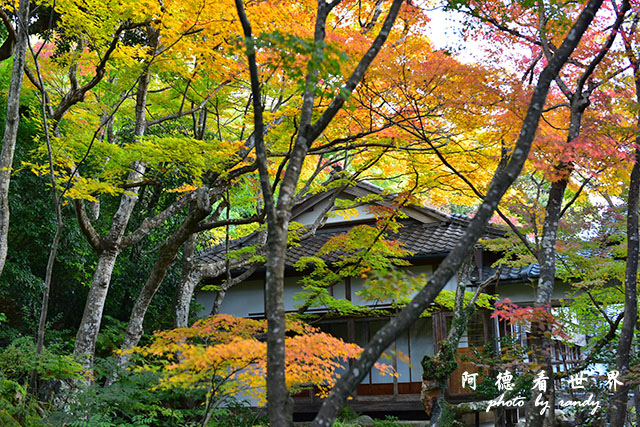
(211, 224)
(575, 197)
(506, 219)
(606, 46)
(86, 227)
(258, 131)
(320, 125)
(198, 107)
(149, 224)
(74, 96)
(594, 351)
(499, 185)
(597, 306)
(6, 50)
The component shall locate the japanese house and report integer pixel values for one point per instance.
(429, 235)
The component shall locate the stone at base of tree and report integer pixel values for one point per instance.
(469, 407)
(429, 394)
(364, 421)
(564, 418)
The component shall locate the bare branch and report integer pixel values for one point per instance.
(149, 224)
(6, 50)
(575, 197)
(74, 96)
(86, 227)
(258, 131)
(211, 224)
(319, 126)
(595, 350)
(606, 46)
(198, 107)
(499, 185)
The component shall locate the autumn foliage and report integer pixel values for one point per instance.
(517, 315)
(228, 354)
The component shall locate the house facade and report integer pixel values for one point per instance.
(428, 235)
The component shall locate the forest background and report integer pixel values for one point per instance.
(138, 133)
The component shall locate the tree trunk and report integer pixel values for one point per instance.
(442, 412)
(167, 254)
(11, 125)
(280, 403)
(188, 282)
(90, 325)
(110, 246)
(134, 330)
(448, 348)
(501, 181)
(618, 414)
(59, 224)
(540, 341)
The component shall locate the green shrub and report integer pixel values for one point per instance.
(19, 359)
(17, 408)
(389, 421)
(237, 414)
(132, 400)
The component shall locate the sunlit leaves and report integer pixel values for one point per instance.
(517, 315)
(229, 352)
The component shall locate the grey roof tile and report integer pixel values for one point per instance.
(518, 274)
(422, 239)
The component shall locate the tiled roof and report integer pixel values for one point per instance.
(422, 239)
(509, 274)
(215, 253)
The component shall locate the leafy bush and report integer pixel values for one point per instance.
(238, 414)
(389, 421)
(17, 407)
(133, 400)
(19, 359)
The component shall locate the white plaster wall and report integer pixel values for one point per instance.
(525, 292)
(338, 330)
(358, 283)
(402, 352)
(414, 345)
(362, 338)
(310, 216)
(339, 291)
(240, 301)
(421, 342)
(452, 283)
(291, 288)
(385, 359)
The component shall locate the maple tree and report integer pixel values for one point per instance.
(226, 355)
(84, 177)
(278, 210)
(18, 37)
(559, 156)
(93, 165)
(500, 183)
(158, 127)
(278, 225)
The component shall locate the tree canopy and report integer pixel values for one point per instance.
(138, 133)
